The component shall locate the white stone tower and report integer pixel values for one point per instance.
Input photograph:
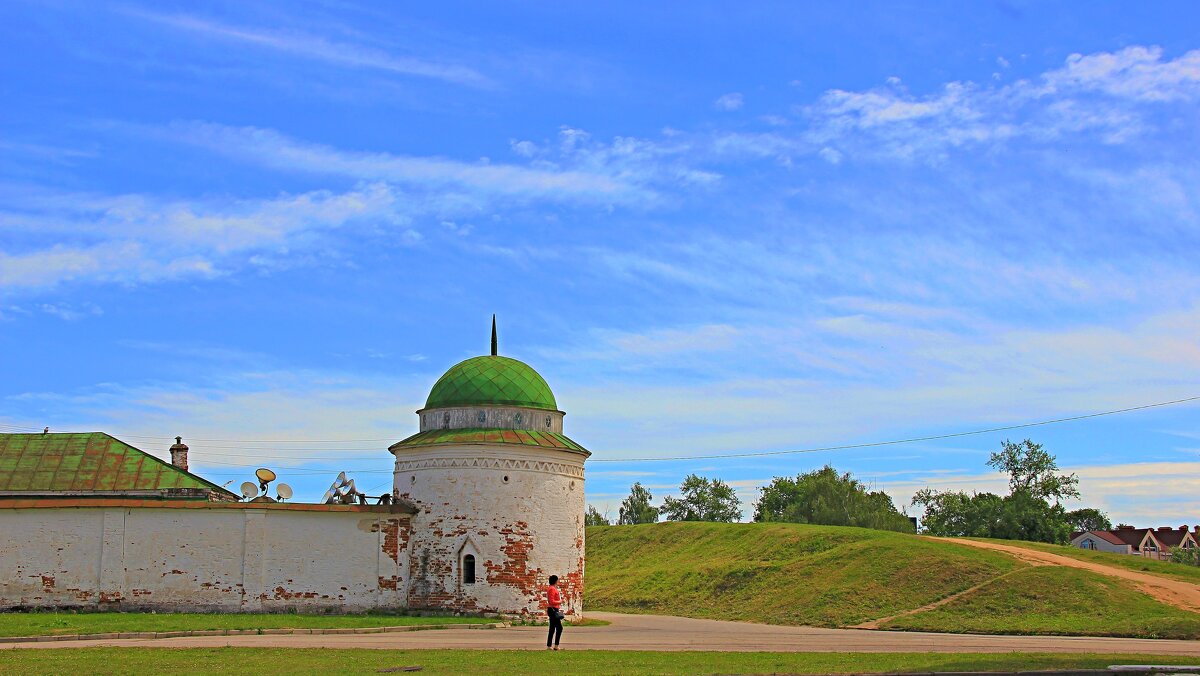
(499, 492)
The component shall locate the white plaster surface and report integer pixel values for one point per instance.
(201, 559)
(518, 509)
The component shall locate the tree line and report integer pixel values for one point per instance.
(1032, 510)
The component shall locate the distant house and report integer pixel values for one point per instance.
(1149, 542)
(1104, 541)
(1170, 538)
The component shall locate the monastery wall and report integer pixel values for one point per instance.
(517, 512)
(133, 554)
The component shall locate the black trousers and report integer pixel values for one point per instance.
(555, 632)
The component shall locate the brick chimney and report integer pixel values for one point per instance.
(1163, 529)
(179, 454)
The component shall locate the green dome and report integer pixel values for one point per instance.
(491, 381)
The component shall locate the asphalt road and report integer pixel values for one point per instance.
(656, 632)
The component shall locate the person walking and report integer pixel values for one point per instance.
(554, 610)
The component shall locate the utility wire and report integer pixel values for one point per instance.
(754, 454)
(904, 441)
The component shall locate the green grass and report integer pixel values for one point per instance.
(297, 662)
(1052, 600)
(828, 576)
(1138, 563)
(51, 623)
(777, 573)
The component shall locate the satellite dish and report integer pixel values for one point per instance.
(264, 474)
(284, 490)
(327, 499)
(249, 490)
(341, 480)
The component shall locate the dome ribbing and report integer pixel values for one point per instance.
(491, 381)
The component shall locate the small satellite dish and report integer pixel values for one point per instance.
(264, 474)
(341, 480)
(249, 490)
(284, 490)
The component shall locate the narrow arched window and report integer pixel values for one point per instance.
(468, 569)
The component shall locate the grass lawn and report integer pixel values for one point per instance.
(296, 662)
(1051, 600)
(49, 623)
(778, 573)
(1138, 563)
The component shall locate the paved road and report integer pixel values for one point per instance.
(656, 632)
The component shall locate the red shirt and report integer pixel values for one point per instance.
(552, 597)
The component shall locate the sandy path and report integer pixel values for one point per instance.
(1173, 592)
(656, 632)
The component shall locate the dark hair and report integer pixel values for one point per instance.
(553, 579)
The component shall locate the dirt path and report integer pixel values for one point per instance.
(877, 623)
(662, 633)
(1176, 593)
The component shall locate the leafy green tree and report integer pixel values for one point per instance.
(1025, 514)
(1188, 557)
(1026, 517)
(1088, 519)
(954, 513)
(825, 497)
(703, 499)
(636, 508)
(1032, 469)
(594, 518)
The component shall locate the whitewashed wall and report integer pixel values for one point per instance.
(229, 557)
(518, 510)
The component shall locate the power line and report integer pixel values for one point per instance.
(905, 441)
(753, 454)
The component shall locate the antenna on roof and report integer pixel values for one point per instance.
(265, 476)
(495, 345)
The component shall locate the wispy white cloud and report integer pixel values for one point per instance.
(320, 49)
(731, 101)
(148, 239)
(269, 148)
(1095, 93)
(1136, 72)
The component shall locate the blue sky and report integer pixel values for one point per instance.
(271, 227)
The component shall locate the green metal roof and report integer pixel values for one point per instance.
(86, 461)
(491, 380)
(490, 436)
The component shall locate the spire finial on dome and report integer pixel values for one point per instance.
(495, 345)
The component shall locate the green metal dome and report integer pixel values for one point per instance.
(491, 381)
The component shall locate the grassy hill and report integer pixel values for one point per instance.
(835, 577)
